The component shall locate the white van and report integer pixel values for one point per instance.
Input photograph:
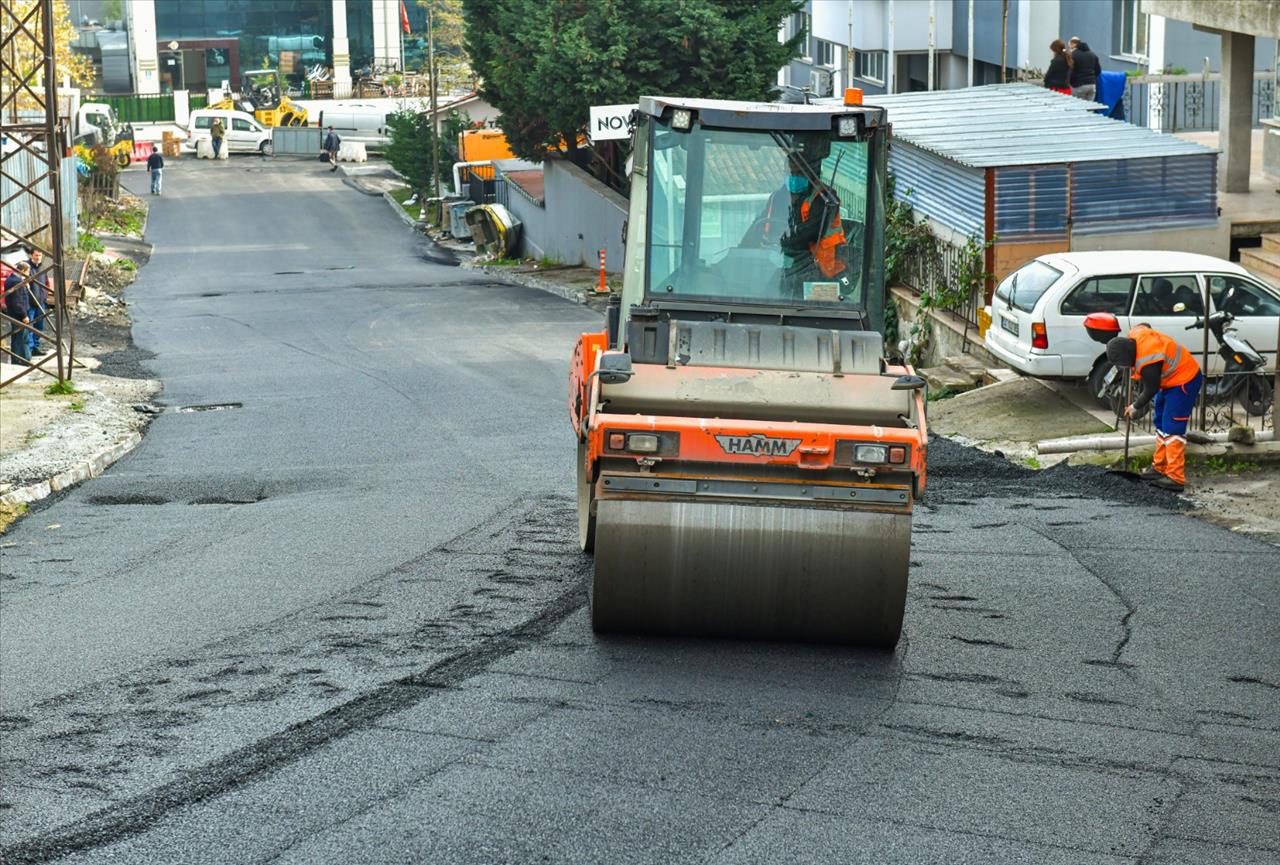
(363, 122)
(244, 134)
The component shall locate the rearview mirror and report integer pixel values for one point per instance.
(908, 382)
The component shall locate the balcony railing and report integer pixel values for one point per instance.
(1189, 103)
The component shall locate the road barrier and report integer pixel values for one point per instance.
(296, 140)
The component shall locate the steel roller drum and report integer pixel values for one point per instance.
(760, 571)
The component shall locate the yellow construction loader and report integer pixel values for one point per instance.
(264, 96)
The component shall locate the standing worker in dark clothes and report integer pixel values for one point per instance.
(1058, 76)
(17, 305)
(1085, 70)
(39, 306)
(331, 144)
(155, 164)
(1168, 374)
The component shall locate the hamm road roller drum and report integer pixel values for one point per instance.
(744, 570)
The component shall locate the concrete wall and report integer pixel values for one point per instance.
(1206, 241)
(580, 216)
(1256, 17)
(1187, 47)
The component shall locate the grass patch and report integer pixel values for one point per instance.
(128, 265)
(76, 406)
(9, 513)
(505, 262)
(548, 261)
(87, 243)
(1222, 465)
(1031, 463)
(61, 388)
(117, 216)
(939, 395)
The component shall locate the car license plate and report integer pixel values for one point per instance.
(1009, 324)
(1110, 376)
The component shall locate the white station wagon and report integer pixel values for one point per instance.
(1037, 312)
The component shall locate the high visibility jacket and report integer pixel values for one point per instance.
(1177, 365)
(825, 249)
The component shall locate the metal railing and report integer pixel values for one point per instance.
(938, 264)
(1189, 103)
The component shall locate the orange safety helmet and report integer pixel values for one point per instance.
(1102, 326)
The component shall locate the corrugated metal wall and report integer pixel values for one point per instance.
(939, 188)
(26, 213)
(1031, 202)
(1144, 194)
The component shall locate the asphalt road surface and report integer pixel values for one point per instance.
(343, 621)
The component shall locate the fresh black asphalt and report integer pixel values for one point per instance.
(345, 622)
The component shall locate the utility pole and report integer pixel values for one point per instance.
(1004, 41)
(970, 43)
(435, 124)
(932, 19)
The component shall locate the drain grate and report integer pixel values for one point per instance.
(213, 406)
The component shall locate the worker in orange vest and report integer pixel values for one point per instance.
(1168, 375)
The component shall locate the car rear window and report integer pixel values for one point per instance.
(1024, 287)
(204, 122)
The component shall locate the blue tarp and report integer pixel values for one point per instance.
(1111, 94)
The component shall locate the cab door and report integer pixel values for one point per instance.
(1154, 302)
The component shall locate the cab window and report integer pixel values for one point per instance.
(1246, 301)
(241, 125)
(1100, 294)
(1158, 295)
(204, 122)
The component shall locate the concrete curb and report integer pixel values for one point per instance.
(529, 280)
(415, 224)
(90, 468)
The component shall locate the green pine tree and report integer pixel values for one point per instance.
(544, 63)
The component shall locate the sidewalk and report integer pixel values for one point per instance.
(50, 442)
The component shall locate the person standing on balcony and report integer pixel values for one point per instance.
(1058, 76)
(1085, 69)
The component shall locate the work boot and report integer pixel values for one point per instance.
(1165, 483)
(1150, 473)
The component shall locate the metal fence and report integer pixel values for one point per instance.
(1189, 103)
(141, 107)
(23, 213)
(938, 264)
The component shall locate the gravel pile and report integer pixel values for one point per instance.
(959, 472)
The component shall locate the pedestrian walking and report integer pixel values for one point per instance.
(1169, 378)
(155, 164)
(17, 305)
(1058, 76)
(216, 132)
(331, 144)
(39, 296)
(1085, 69)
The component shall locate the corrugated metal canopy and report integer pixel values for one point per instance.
(1020, 124)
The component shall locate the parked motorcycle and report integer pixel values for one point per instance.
(1245, 376)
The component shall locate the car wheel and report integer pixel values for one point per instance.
(265, 148)
(1109, 396)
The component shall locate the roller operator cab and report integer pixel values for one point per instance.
(748, 458)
